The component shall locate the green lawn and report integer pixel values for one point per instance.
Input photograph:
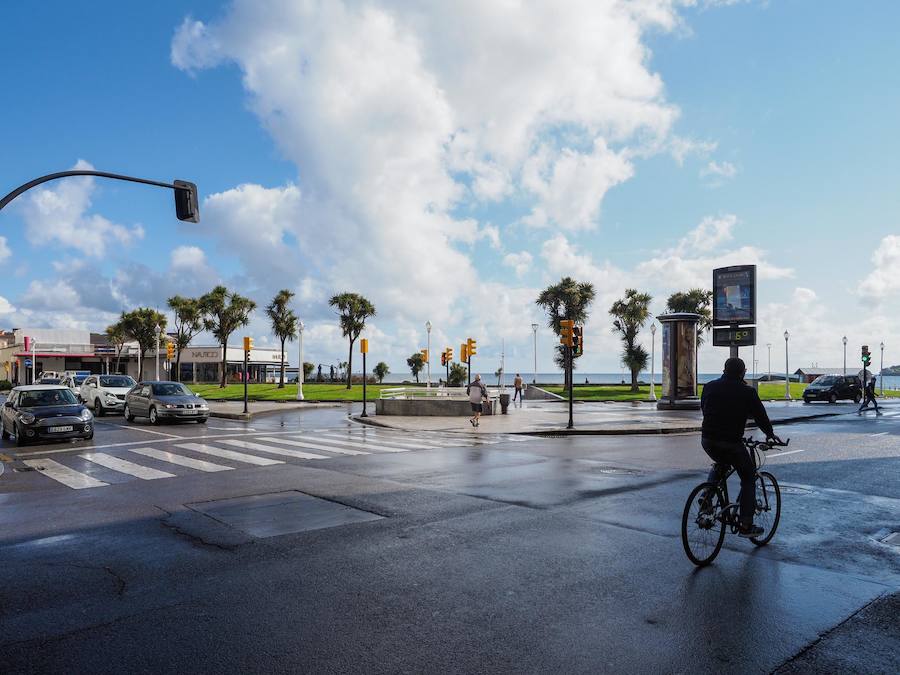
(616, 392)
(271, 392)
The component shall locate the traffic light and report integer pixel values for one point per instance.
(363, 346)
(425, 355)
(248, 343)
(170, 351)
(187, 202)
(566, 331)
(471, 346)
(578, 341)
(464, 353)
(866, 355)
(444, 358)
(449, 351)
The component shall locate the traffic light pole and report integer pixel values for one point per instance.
(571, 424)
(246, 353)
(364, 413)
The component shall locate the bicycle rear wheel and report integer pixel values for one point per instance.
(703, 529)
(768, 507)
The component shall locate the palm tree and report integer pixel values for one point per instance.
(416, 362)
(380, 371)
(353, 310)
(115, 333)
(224, 312)
(631, 313)
(695, 301)
(188, 323)
(284, 323)
(569, 299)
(140, 325)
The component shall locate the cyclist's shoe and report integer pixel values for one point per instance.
(751, 531)
(705, 504)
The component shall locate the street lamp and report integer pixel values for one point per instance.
(534, 328)
(652, 361)
(428, 354)
(157, 330)
(787, 370)
(300, 370)
(844, 340)
(881, 370)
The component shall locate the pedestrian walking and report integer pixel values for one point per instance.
(477, 394)
(518, 384)
(869, 395)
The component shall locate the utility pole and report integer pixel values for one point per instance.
(300, 373)
(534, 328)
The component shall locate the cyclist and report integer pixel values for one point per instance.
(726, 404)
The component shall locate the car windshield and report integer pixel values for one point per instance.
(116, 381)
(170, 389)
(46, 397)
(826, 381)
(50, 380)
(79, 379)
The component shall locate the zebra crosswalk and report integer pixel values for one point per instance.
(212, 455)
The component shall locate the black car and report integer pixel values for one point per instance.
(40, 412)
(833, 388)
(160, 401)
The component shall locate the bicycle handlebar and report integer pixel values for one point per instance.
(765, 445)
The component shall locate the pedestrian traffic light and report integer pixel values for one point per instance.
(464, 353)
(363, 346)
(578, 341)
(444, 358)
(170, 351)
(866, 355)
(471, 347)
(248, 343)
(566, 332)
(187, 202)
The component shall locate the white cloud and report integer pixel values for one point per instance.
(51, 295)
(883, 279)
(520, 262)
(5, 252)
(5, 306)
(187, 257)
(60, 214)
(680, 148)
(712, 232)
(717, 173)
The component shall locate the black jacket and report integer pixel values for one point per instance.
(727, 403)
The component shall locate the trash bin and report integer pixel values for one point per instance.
(504, 403)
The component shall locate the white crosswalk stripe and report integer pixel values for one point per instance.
(228, 454)
(275, 450)
(124, 466)
(323, 438)
(181, 460)
(376, 442)
(402, 438)
(313, 446)
(63, 474)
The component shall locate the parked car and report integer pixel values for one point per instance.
(165, 401)
(37, 412)
(106, 393)
(49, 380)
(74, 383)
(833, 388)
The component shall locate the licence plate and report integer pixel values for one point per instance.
(189, 412)
(53, 430)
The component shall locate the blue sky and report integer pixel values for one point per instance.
(449, 163)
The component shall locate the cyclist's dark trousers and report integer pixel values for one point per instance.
(727, 454)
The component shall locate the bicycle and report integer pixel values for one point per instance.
(709, 511)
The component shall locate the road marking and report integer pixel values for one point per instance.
(181, 460)
(781, 454)
(124, 466)
(139, 428)
(366, 445)
(353, 441)
(883, 433)
(259, 447)
(63, 474)
(228, 454)
(313, 446)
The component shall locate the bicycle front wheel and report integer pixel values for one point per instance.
(702, 524)
(768, 507)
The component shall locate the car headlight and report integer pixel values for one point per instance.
(86, 415)
(169, 405)
(26, 418)
(111, 397)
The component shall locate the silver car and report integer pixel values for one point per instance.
(160, 401)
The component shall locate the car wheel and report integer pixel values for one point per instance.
(90, 436)
(98, 408)
(128, 416)
(806, 401)
(20, 437)
(832, 398)
(4, 434)
(154, 418)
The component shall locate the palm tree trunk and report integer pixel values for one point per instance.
(224, 363)
(350, 366)
(634, 381)
(281, 382)
(178, 366)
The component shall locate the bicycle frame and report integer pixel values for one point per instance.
(722, 485)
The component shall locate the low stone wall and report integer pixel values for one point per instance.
(428, 407)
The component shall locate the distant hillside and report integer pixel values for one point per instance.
(893, 370)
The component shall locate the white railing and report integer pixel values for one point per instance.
(434, 392)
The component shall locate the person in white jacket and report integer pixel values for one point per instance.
(477, 393)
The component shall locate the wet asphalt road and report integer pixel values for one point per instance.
(557, 554)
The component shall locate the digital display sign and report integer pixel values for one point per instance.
(734, 337)
(734, 295)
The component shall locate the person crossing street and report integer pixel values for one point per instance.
(477, 393)
(869, 396)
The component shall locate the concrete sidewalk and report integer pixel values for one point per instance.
(234, 410)
(550, 418)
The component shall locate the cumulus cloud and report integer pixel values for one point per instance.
(5, 306)
(60, 214)
(520, 262)
(883, 279)
(716, 173)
